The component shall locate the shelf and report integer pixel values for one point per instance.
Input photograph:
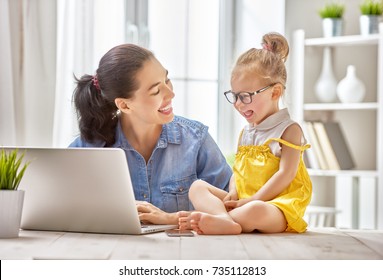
(340, 106)
(358, 193)
(352, 40)
(351, 173)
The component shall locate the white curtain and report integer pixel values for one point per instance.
(86, 29)
(7, 98)
(74, 53)
(38, 77)
(27, 70)
(43, 43)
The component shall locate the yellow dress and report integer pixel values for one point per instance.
(253, 167)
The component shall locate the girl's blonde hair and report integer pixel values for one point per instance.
(267, 63)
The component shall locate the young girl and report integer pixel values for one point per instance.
(270, 187)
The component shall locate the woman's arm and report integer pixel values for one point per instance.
(212, 166)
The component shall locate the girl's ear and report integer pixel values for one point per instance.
(122, 104)
(277, 91)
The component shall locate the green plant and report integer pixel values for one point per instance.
(371, 7)
(11, 169)
(332, 10)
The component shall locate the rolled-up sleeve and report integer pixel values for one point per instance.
(211, 164)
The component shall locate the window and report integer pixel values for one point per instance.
(185, 37)
(196, 41)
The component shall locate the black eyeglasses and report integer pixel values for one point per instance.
(245, 97)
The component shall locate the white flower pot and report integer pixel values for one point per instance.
(369, 24)
(332, 27)
(11, 207)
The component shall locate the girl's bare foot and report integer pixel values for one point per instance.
(204, 223)
(184, 220)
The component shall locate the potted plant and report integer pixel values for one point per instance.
(332, 19)
(12, 171)
(371, 13)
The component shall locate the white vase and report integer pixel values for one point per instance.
(351, 89)
(11, 206)
(325, 87)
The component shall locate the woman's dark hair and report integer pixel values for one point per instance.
(94, 95)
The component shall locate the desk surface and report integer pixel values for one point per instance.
(315, 244)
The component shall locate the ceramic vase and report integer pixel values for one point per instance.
(325, 87)
(351, 89)
(11, 206)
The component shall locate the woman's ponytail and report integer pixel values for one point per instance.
(96, 115)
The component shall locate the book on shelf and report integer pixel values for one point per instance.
(309, 156)
(330, 145)
(326, 145)
(317, 155)
(339, 145)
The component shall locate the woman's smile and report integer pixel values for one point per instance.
(167, 109)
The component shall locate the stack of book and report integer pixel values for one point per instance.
(329, 148)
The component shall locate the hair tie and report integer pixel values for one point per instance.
(266, 47)
(95, 83)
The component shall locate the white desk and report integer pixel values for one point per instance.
(315, 244)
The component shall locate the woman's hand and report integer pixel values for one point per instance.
(150, 214)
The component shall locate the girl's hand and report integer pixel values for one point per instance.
(232, 204)
(150, 214)
(231, 195)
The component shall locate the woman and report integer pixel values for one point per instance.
(127, 104)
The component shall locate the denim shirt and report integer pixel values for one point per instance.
(184, 153)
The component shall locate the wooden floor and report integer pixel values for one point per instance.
(315, 244)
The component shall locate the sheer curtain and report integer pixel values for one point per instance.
(7, 98)
(86, 29)
(43, 44)
(74, 56)
(27, 71)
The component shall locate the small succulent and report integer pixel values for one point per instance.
(332, 10)
(11, 169)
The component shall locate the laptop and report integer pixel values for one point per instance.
(80, 190)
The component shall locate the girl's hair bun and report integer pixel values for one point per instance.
(276, 43)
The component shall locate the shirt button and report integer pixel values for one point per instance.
(145, 195)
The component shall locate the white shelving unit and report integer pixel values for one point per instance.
(358, 192)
